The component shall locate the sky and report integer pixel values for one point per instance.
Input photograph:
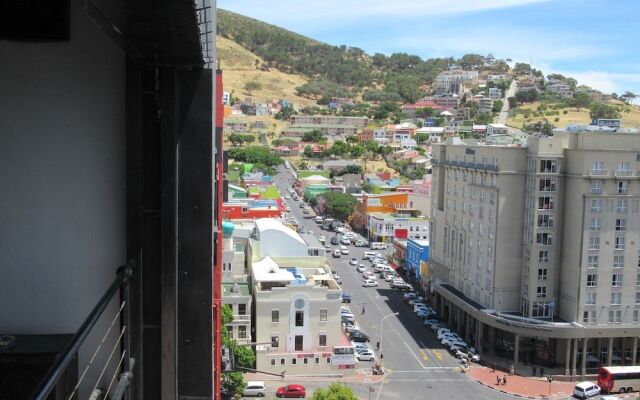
(595, 41)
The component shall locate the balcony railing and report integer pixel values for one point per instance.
(124, 363)
(599, 172)
(241, 318)
(625, 173)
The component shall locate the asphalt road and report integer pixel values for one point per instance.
(417, 364)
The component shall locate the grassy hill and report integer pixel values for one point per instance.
(239, 66)
(570, 115)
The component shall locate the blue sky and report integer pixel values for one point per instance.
(596, 42)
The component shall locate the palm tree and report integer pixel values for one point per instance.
(628, 97)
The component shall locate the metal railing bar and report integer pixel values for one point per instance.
(106, 364)
(47, 384)
(95, 353)
(124, 353)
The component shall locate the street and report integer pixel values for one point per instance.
(417, 364)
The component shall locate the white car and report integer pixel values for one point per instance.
(322, 239)
(360, 268)
(368, 275)
(345, 241)
(366, 355)
(369, 283)
(354, 261)
(286, 196)
(584, 390)
(344, 250)
(360, 346)
(467, 356)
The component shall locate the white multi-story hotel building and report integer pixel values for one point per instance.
(535, 249)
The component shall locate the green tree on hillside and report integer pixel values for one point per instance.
(251, 86)
(580, 100)
(312, 136)
(598, 110)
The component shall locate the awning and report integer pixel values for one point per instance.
(323, 277)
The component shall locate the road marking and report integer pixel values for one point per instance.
(432, 355)
(380, 389)
(414, 354)
(424, 355)
(437, 353)
(425, 380)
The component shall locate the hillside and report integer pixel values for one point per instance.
(570, 115)
(239, 67)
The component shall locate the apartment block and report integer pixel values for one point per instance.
(535, 249)
(358, 122)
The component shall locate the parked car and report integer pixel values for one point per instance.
(369, 283)
(291, 391)
(336, 277)
(336, 253)
(360, 346)
(437, 326)
(335, 241)
(368, 275)
(584, 390)
(255, 388)
(409, 296)
(322, 239)
(346, 298)
(430, 322)
(359, 336)
(347, 318)
(302, 205)
(345, 241)
(465, 355)
(344, 250)
(401, 286)
(366, 355)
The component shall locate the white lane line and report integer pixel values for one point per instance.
(380, 389)
(431, 354)
(414, 354)
(425, 380)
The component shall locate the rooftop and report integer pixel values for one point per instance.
(235, 288)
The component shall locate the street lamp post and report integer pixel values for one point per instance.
(381, 323)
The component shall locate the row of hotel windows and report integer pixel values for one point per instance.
(476, 177)
(618, 261)
(622, 187)
(622, 205)
(620, 225)
(597, 168)
(299, 318)
(472, 193)
(616, 298)
(616, 280)
(618, 243)
(615, 317)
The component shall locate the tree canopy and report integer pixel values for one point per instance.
(334, 392)
(339, 205)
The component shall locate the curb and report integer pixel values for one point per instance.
(505, 392)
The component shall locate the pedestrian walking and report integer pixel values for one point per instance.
(504, 379)
(512, 370)
(497, 380)
(381, 356)
(493, 367)
(534, 370)
(364, 308)
(377, 346)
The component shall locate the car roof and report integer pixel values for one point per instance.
(255, 383)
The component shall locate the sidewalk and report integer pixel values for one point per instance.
(521, 386)
(361, 375)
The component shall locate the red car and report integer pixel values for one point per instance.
(292, 391)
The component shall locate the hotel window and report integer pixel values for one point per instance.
(545, 221)
(592, 280)
(322, 340)
(492, 198)
(623, 187)
(242, 309)
(596, 205)
(548, 166)
(615, 316)
(544, 239)
(616, 280)
(547, 185)
(637, 279)
(636, 316)
(541, 291)
(622, 205)
(595, 224)
(619, 243)
(242, 332)
(275, 316)
(273, 361)
(592, 261)
(621, 224)
(591, 298)
(543, 256)
(323, 315)
(542, 274)
(616, 298)
(618, 261)
(597, 167)
(596, 186)
(637, 297)
(594, 243)
(585, 317)
(275, 341)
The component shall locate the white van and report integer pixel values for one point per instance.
(378, 246)
(344, 250)
(367, 254)
(255, 388)
(319, 220)
(584, 390)
(336, 253)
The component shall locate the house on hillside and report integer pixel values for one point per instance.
(495, 93)
(236, 125)
(337, 165)
(561, 90)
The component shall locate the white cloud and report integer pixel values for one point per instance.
(300, 12)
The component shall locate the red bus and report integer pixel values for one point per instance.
(619, 379)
